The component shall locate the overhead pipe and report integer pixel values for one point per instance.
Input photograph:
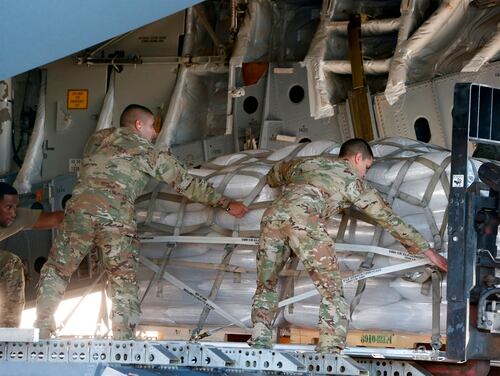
(106, 115)
(257, 21)
(369, 66)
(5, 125)
(175, 106)
(443, 22)
(32, 166)
(372, 27)
(318, 87)
(488, 52)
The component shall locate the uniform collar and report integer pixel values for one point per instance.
(349, 165)
(127, 131)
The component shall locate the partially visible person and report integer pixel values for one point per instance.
(12, 280)
(314, 189)
(116, 166)
(487, 151)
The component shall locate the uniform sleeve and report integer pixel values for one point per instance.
(371, 203)
(27, 217)
(94, 142)
(168, 169)
(281, 172)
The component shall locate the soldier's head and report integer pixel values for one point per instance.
(8, 204)
(140, 119)
(359, 153)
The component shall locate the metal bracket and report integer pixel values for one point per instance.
(391, 367)
(207, 357)
(331, 364)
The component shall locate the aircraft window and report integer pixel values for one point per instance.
(296, 94)
(422, 129)
(250, 105)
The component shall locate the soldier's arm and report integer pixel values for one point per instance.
(49, 220)
(370, 202)
(280, 173)
(168, 169)
(95, 141)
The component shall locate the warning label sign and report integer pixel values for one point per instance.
(78, 99)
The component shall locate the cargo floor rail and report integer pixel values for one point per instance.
(211, 357)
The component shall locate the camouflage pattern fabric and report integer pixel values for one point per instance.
(11, 290)
(116, 167)
(315, 189)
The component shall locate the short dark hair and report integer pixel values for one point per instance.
(7, 189)
(131, 112)
(354, 146)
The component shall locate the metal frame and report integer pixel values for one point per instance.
(471, 114)
(168, 356)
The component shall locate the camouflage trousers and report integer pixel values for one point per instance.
(312, 244)
(11, 290)
(78, 235)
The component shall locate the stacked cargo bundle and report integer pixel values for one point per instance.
(412, 176)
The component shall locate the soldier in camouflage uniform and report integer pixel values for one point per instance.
(12, 282)
(315, 189)
(117, 164)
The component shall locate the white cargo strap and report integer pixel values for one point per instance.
(368, 262)
(102, 317)
(288, 285)
(168, 251)
(229, 249)
(157, 276)
(255, 191)
(245, 160)
(190, 291)
(152, 201)
(343, 247)
(292, 154)
(355, 277)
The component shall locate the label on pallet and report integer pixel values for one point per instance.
(373, 338)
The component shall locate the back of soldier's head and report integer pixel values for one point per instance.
(354, 146)
(134, 112)
(7, 189)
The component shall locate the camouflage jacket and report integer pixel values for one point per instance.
(118, 164)
(326, 185)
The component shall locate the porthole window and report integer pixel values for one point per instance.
(422, 129)
(296, 94)
(250, 105)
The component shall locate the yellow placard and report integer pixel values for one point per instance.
(78, 99)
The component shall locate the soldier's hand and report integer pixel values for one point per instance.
(437, 259)
(237, 209)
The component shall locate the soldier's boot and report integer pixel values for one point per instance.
(123, 331)
(261, 337)
(46, 333)
(330, 344)
(45, 323)
(10, 315)
(47, 328)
